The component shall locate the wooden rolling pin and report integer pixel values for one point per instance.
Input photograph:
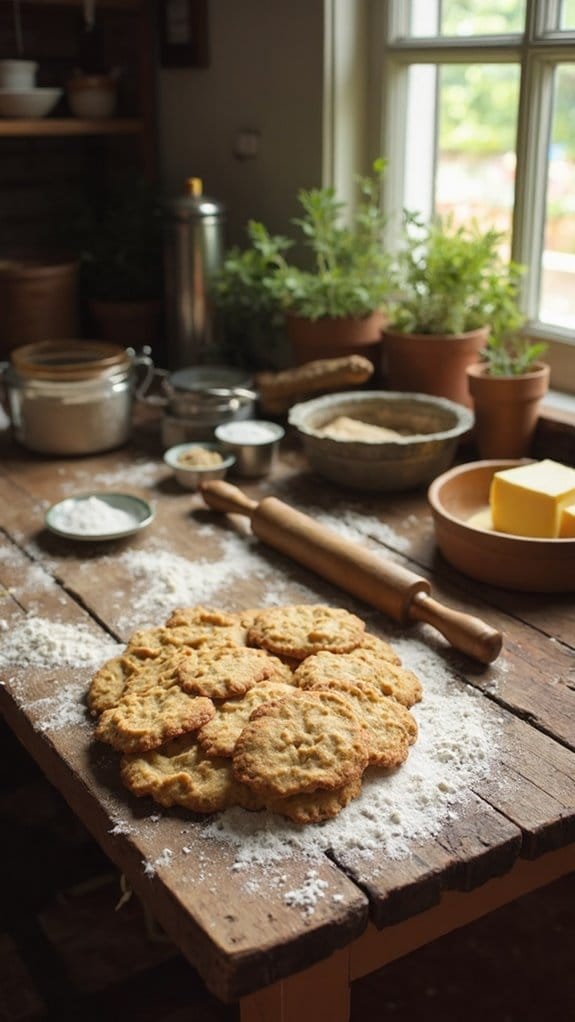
(391, 588)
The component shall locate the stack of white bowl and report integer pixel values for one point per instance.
(19, 94)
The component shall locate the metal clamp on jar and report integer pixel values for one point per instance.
(73, 397)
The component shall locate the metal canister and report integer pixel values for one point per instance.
(193, 253)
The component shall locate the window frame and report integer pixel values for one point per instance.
(537, 52)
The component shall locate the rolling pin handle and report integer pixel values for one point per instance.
(223, 496)
(466, 633)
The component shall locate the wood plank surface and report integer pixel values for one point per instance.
(240, 937)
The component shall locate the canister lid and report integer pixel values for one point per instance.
(69, 360)
(194, 204)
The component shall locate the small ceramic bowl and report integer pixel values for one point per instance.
(190, 475)
(253, 442)
(28, 103)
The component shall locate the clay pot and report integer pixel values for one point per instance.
(38, 302)
(506, 410)
(329, 337)
(432, 363)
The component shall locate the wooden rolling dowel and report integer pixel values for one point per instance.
(395, 590)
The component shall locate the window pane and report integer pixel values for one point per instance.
(558, 279)
(466, 17)
(465, 148)
(568, 15)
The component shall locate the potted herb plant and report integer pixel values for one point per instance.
(247, 297)
(333, 306)
(507, 387)
(454, 292)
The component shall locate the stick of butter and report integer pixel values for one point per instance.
(529, 500)
(567, 527)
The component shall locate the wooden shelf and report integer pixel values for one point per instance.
(114, 4)
(70, 126)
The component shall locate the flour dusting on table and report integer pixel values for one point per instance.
(456, 746)
(46, 643)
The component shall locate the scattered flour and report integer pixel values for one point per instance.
(307, 896)
(161, 580)
(46, 643)
(164, 859)
(139, 473)
(356, 526)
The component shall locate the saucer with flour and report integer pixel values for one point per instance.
(99, 516)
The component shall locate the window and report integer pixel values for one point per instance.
(477, 120)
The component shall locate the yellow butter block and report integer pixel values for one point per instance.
(529, 500)
(567, 527)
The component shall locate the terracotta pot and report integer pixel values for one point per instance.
(432, 363)
(328, 337)
(506, 410)
(127, 323)
(38, 302)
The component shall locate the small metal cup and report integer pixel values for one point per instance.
(253, 442)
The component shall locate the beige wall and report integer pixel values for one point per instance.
(266, 73)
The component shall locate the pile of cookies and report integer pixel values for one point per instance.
(282, 708)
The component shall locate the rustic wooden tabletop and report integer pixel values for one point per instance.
(488, 792)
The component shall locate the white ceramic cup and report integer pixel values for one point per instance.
(18, 74)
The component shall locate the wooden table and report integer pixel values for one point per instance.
(514, 833)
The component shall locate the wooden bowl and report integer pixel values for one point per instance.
(511, 562)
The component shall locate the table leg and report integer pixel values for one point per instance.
(319, 994)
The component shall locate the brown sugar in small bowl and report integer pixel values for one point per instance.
(459, 499)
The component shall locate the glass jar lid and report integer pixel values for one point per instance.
(69, 360)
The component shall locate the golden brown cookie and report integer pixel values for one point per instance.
(200, 615)
(219, 736)
(227, 672)
(315, 806)
(306, 741)
(390, 727)
(154, 642)
(161, 672)
(180, 774)
(108, 683)
(145, 720)
(300, 630)
(384, 650)
(360, 667)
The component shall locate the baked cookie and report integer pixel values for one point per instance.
(200, 615)
(300, 630)
(145, 720)
(219, 736)
(360, 667)
(383, 649)
(108, 683)
(179, 774)
(155, 642)
(227, 672)
(306, 741)
(315, 806)
(389, 727)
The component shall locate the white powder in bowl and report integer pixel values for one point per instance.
(249, 432)
(91, 517)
